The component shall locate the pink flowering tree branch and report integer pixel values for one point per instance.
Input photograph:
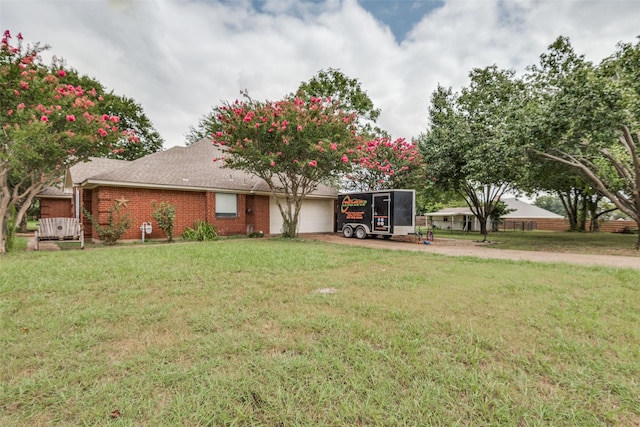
(383, 163)
(46, 125)
(293, 145)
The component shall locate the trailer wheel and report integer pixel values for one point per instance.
(347, 231)
(361, 233)
(386, 236)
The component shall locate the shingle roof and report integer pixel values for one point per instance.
(189, 168)
(450, 212)
(525, 210)
(95, 166)
(520, 210)
(53, 193)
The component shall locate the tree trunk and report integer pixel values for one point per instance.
(290, 213)
(24, 208)
(23, 224)
(570, 204)
(582, 214)
(4, 209)
(594, 224)
(484, 230)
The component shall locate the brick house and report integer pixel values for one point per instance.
(235, 202)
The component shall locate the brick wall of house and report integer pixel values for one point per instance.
(190, 207)
(56, 208)
(86, 202)
(258, 213)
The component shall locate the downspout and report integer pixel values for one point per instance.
(76, 190)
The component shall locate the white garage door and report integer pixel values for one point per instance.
(316, 216)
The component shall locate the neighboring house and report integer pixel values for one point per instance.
(235, 202)
(523, 216)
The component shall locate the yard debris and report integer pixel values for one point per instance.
(326, 290)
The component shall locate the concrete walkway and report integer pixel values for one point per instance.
(44, 246)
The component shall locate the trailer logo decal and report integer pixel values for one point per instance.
(348, 202)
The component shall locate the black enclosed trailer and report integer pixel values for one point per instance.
(377, 213)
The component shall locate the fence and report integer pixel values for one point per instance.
(523, 224)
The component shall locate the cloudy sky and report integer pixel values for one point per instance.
(178, 58)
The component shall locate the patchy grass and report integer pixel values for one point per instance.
(549, 241)
(234, 333)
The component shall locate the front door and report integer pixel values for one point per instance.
(381, 209)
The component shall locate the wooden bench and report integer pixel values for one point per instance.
(60, 229)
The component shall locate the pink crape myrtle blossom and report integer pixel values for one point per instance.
(293, 144)
(44, 131)
(388, 163)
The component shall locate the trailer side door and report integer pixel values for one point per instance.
(381, 211)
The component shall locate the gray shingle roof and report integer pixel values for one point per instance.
(521, 210)
(189, 168)
(525, 210)
(95, 166)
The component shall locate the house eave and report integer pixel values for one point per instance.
(56, 196)
(92, 184)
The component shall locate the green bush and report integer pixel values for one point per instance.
(117, 225)
(165, 215)
(201, 231)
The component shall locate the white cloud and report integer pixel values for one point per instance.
(179, 58)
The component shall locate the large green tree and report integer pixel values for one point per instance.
(133, 119)
(470, 145)
(586, 116)
(46, 125)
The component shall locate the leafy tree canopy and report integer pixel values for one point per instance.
(48, 122)
(469, 146)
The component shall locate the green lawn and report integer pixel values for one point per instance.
(235, 333)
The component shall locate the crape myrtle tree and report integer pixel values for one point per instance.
(46, 125)
(587, 116)
(470, 147)
(132, 118)
(292, 144)
(307, 139)
(346, 94)
(384, 163)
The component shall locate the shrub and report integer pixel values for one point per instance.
(117, 225)
(201, 231)
(165, 215)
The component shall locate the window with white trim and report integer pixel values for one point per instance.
(226, 205)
